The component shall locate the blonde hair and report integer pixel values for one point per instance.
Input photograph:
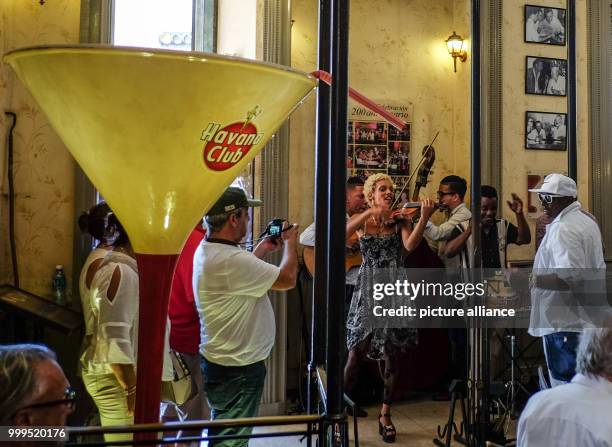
(370, 185)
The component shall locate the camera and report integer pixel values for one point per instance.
(275, 228)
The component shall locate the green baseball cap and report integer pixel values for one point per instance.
(232, 199)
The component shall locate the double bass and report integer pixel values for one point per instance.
(423, 256)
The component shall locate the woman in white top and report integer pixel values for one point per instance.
(109, 363)
(94, 223)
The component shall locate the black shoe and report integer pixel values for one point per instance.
(360, 412)
(387, 432)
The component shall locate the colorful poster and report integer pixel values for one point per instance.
(375, 146)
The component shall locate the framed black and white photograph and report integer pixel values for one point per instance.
(545, 130)
(545, 76)
(545, 25)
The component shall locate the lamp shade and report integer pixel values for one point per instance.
(454, 44)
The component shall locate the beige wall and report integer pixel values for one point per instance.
(43, 167)
(397, 53)
(517, 161)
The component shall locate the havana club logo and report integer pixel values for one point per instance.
(226, 146)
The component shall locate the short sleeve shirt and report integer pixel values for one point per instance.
(490, 245)
(236, 317)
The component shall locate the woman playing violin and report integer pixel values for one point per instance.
(383, 244)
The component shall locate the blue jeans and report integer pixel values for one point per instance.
(233, 392)
(560, 351)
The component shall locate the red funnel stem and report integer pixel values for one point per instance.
(155, 274)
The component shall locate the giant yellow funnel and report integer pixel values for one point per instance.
(161, 134)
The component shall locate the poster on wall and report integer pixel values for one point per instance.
(545, 76)
(545, 130)
(544, 24)
(374, 146)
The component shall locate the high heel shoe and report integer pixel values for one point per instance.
(387, 432)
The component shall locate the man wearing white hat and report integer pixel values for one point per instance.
(570, 250)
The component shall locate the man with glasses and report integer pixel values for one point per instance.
(451, 192)
(33, 388)
(450, 200)
(572, 245)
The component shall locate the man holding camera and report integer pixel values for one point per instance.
(237, 320)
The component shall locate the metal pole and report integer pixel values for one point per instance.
(572, 155)
(478, 386)
(317, 354)
(337, 217)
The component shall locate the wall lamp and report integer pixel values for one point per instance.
(454, 45)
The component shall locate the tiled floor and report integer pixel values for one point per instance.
(416, 423)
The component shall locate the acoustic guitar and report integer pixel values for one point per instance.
(353, 255)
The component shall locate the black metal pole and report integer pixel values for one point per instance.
(337, 213)
(319, 316)
(11, 199)
(475, 136)
(477, 334)
(572, 155)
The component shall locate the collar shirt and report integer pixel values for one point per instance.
(572, 250)
(575, 414)
(443, 232)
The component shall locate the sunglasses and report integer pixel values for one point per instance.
(69, 399)
(442, 193)
(546, 198)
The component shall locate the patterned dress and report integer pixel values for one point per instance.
(382, 263)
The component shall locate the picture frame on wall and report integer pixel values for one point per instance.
(545, 25)
(545, 76)
(546, 130)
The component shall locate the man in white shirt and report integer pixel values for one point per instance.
(531, 27)
(451, 193)
(569, 258)
(450, 199)
(576, 414)
(558, 130)
(237, 320)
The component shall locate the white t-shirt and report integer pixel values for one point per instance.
(576, 414)
(236, 317)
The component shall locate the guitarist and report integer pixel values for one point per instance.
(355, 203)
